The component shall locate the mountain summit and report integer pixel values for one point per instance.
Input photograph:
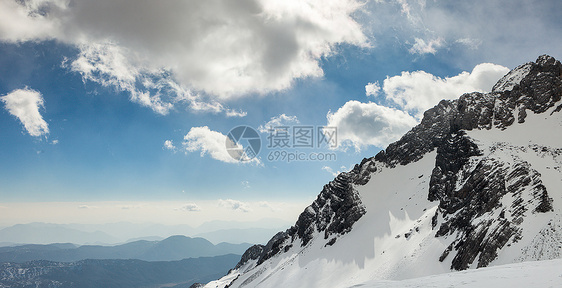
(477, 183)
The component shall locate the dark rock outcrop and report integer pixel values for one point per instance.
(333, 213)
(252, 253)
(468, 191)
(467, 184)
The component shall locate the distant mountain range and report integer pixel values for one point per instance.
(121, 232)
(114, 273)
(169, 249)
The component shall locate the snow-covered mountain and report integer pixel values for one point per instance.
(477, 183)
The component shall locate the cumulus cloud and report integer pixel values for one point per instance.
(372, 89)
(362, 124)
(190, 207)
(208, 142)
(215, 144)
(221, 48)
(169, 145)
(22, 21)
(278, 121)
(235, 205)
(24, 104)
(418, 91)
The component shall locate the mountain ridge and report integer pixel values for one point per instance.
(170, 249)
(482, 198)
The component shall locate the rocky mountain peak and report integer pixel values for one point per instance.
(532, 86)
(484, 193)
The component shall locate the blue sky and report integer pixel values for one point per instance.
(106, 103)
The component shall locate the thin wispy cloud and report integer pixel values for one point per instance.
(190, 207)
(234, 205)
(278, 121)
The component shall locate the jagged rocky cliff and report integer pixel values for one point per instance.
(478, 180)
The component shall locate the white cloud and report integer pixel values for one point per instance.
(164, 212)
(336, 173)
(113, 66)
(471, 43)
(362, 124)
(235, 205)
(471, 31)
(430, 47)
(372, 89)
(221, 48)
(25, 105)
(190, 207)
(268, 205)
(21, 21)
(208, 142)
(418, 91)
(277, 121)
(169, 145)
(87, 207)
(235, 113)
(215, 144)
(245, 184)
(330, 170)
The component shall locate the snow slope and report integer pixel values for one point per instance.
(394, 240)
(478, 183)
(546, 274)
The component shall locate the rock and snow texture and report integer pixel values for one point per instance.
(477, 183)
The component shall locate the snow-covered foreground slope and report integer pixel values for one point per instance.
(546, 274)
(477, 183)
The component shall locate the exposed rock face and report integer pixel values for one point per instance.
(333, 213)
(467, 190)
(475, 213)
(468, 185)
(252, 253)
